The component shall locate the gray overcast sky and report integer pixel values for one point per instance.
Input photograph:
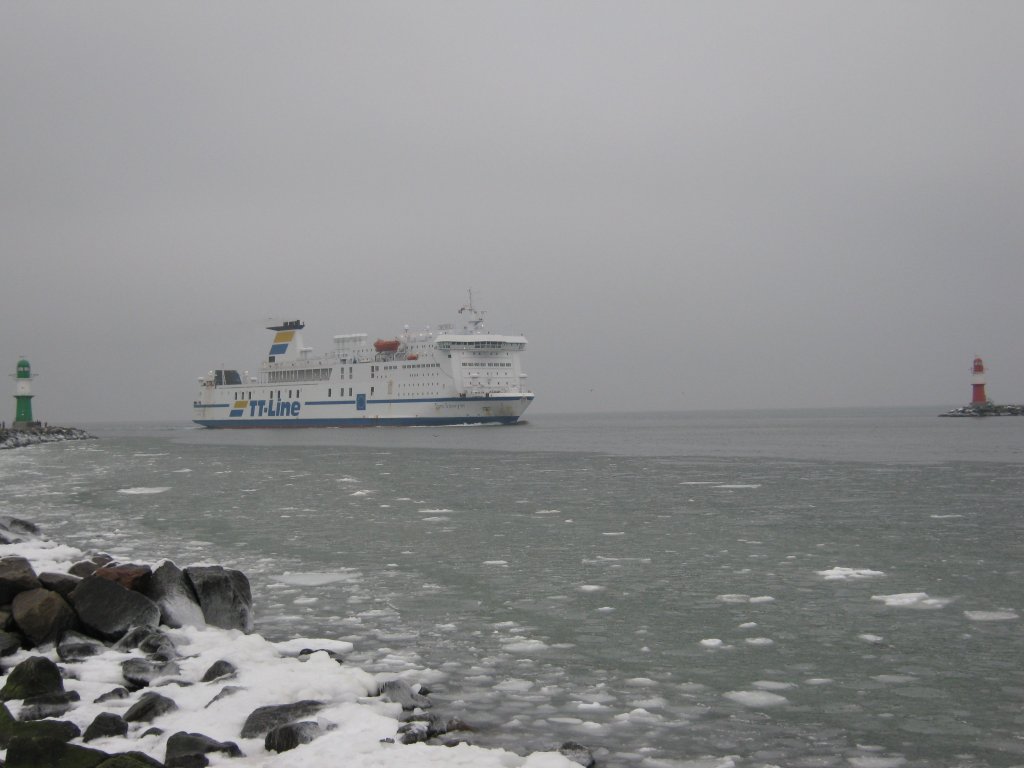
(683, 205)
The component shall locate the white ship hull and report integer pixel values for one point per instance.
(429, 378)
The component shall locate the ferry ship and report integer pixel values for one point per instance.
(445, 376)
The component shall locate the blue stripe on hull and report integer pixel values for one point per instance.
(423, 421)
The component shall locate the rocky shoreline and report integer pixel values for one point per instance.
(20, 438)
(126, 665)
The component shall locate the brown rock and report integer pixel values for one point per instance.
(43, 616)
(129, 576)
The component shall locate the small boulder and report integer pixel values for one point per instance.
(183, 748)
(130, 760)
(35, 676)
(139, 673)
(129, 575)
(16, 575)
(174, 595)
(61, 583)
(421, 728)
(219, 669)
(43, 752)
(226, 691)
(74, 646)
(400, 692)
(290, 735)
(150, 705)
(51, 729)
(578, 754)
(113, 695)
(83, 568)
(264, 719)
(47, 705)
(149, 640)
(42, 615)
(105, 724)
(107, 610)
(10, 642)
(224, 596)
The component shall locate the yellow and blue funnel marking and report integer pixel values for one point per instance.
(239, 408)
(281, 339)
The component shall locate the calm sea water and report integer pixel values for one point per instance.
(786, 588)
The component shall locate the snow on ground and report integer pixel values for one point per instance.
(357, 723)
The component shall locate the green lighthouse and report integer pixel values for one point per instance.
(23, 396)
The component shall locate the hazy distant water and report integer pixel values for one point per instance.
(798, 589)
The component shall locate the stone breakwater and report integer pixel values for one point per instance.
(20, 438)
(109, 664)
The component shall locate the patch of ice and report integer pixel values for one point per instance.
(869, 638)
(772, 685)
(760, 641)
(312, 579)
(991, 615)
(919, 600)
(547, 512)
(739, 485)
(712, 642)
(640, 681)
(756, 699)
(591, 588)
(522, 645)
(144, 491)
(840, 573)
(875, 761)
(495, 562)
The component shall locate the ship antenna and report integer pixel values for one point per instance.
(476, 315)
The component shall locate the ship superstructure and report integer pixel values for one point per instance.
(442, 376)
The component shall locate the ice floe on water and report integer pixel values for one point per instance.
(496, 562)
(731, 486)
(315, 579)
(737, 598)
(840, 573)
(991, 615)
(756, 699)
(918, 600)
(141, 491)
(591, 588)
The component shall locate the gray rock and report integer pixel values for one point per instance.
(105, 724)
(42, 615)
(173, 593)
(83, 569)
(219, 669)
(107, 610)
(262, 720)
(149, 640)
(226, 691)
(183, 748)
(149, 706)
(49, 752)
(578, 754)
(50, 729)
(421, 728)
(16, 575)
(113, 695)
(47, 705)
(290, 735)
(224, 595)
(61, 583)
(400, 692)
(139, 673)
(74, 646)
(35, 676)
(10, 642)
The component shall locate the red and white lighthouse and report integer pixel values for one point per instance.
(978, 383)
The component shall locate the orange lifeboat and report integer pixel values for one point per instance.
(412, 357)
(386, 345)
